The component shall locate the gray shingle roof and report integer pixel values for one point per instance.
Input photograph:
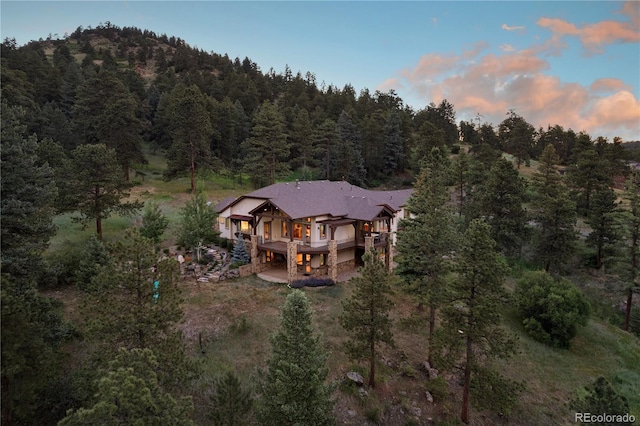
(338, 199)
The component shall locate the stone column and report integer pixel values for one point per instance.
(332, 261)
(255, 260)
(368, 243)
(292, 267)
(388, 255)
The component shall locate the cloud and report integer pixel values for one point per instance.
(609, 85)
(494, 83)
(509, 28)
(597, 35)
(390, 84)
(507, 48)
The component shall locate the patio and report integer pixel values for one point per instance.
(279, 275)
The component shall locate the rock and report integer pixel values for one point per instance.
(425, 366)
(351, 413)
(415, 411)
(355, 378)
(429, 397)
(432, 373)
(363, 393)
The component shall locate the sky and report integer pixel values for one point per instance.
(572, 63)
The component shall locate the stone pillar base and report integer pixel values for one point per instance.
(292, 267)
(332, 261)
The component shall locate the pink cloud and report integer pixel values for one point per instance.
(510, 28)
(523, 62)
(609, 85)
(594, 36)
(389, 84)
(430, 65)
(475, 50)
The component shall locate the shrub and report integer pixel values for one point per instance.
(313, 282)
(600, 397)
(551, 309)
(438, 388)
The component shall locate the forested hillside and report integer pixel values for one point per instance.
(517, 233)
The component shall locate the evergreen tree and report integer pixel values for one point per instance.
(350, 161)
(427, 239)
(516, 136)
(240, 254)
(196, 222)
(301, 141)
(106, 112)
(130, 393)
(588, 175)
(268, 147)
(554, 211)
(603, 220)
(471, 328)
(230, 403)
(136, 303)
(462, 179)
(293, 389)
(94, 257)
(32, 333)
(501, 203)
(189, 125)
(632, 194)
(27, 196)
(427, 138)
(393, 144)
(325, 143)
(366, 312)
(599, 397)
(154, 222)
(96, 187)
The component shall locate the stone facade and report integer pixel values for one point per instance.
(292, 267)
(388, 253)
(332, 260)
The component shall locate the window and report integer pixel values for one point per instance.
(323, 231)
(226, 223)
(267, 231)
(297, 230)
(322, 259)
(284, 232)
(383, 226)
(245, 227)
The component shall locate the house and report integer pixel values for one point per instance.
(316, 228)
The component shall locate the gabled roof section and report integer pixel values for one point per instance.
(223, 204)
(337, 199)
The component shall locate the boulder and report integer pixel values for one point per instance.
(363, 393)
(429, 397)
(355, 378)
(432, 373)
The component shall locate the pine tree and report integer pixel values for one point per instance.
(27, 197)
(501, 201)
(427, 239)
(229, 403)
(603, 220)
(130, 393)
(393, 144)
(128, 309)
(350, 162)
(366, 313)
(293, 389)
(189, 124)
(301, 142)
(154, 223)
(96, 187)
(600, 397)
(516, 136)
(325, 144)
(554, 211)
(94, 257)
(475, 317)
(462, 179)
(268, 147)
(196, 221)
(632, 194)
(106, 112)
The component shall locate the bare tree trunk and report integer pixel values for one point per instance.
(99, 227)
(193, 170)
(464, 415)
(372, 365)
